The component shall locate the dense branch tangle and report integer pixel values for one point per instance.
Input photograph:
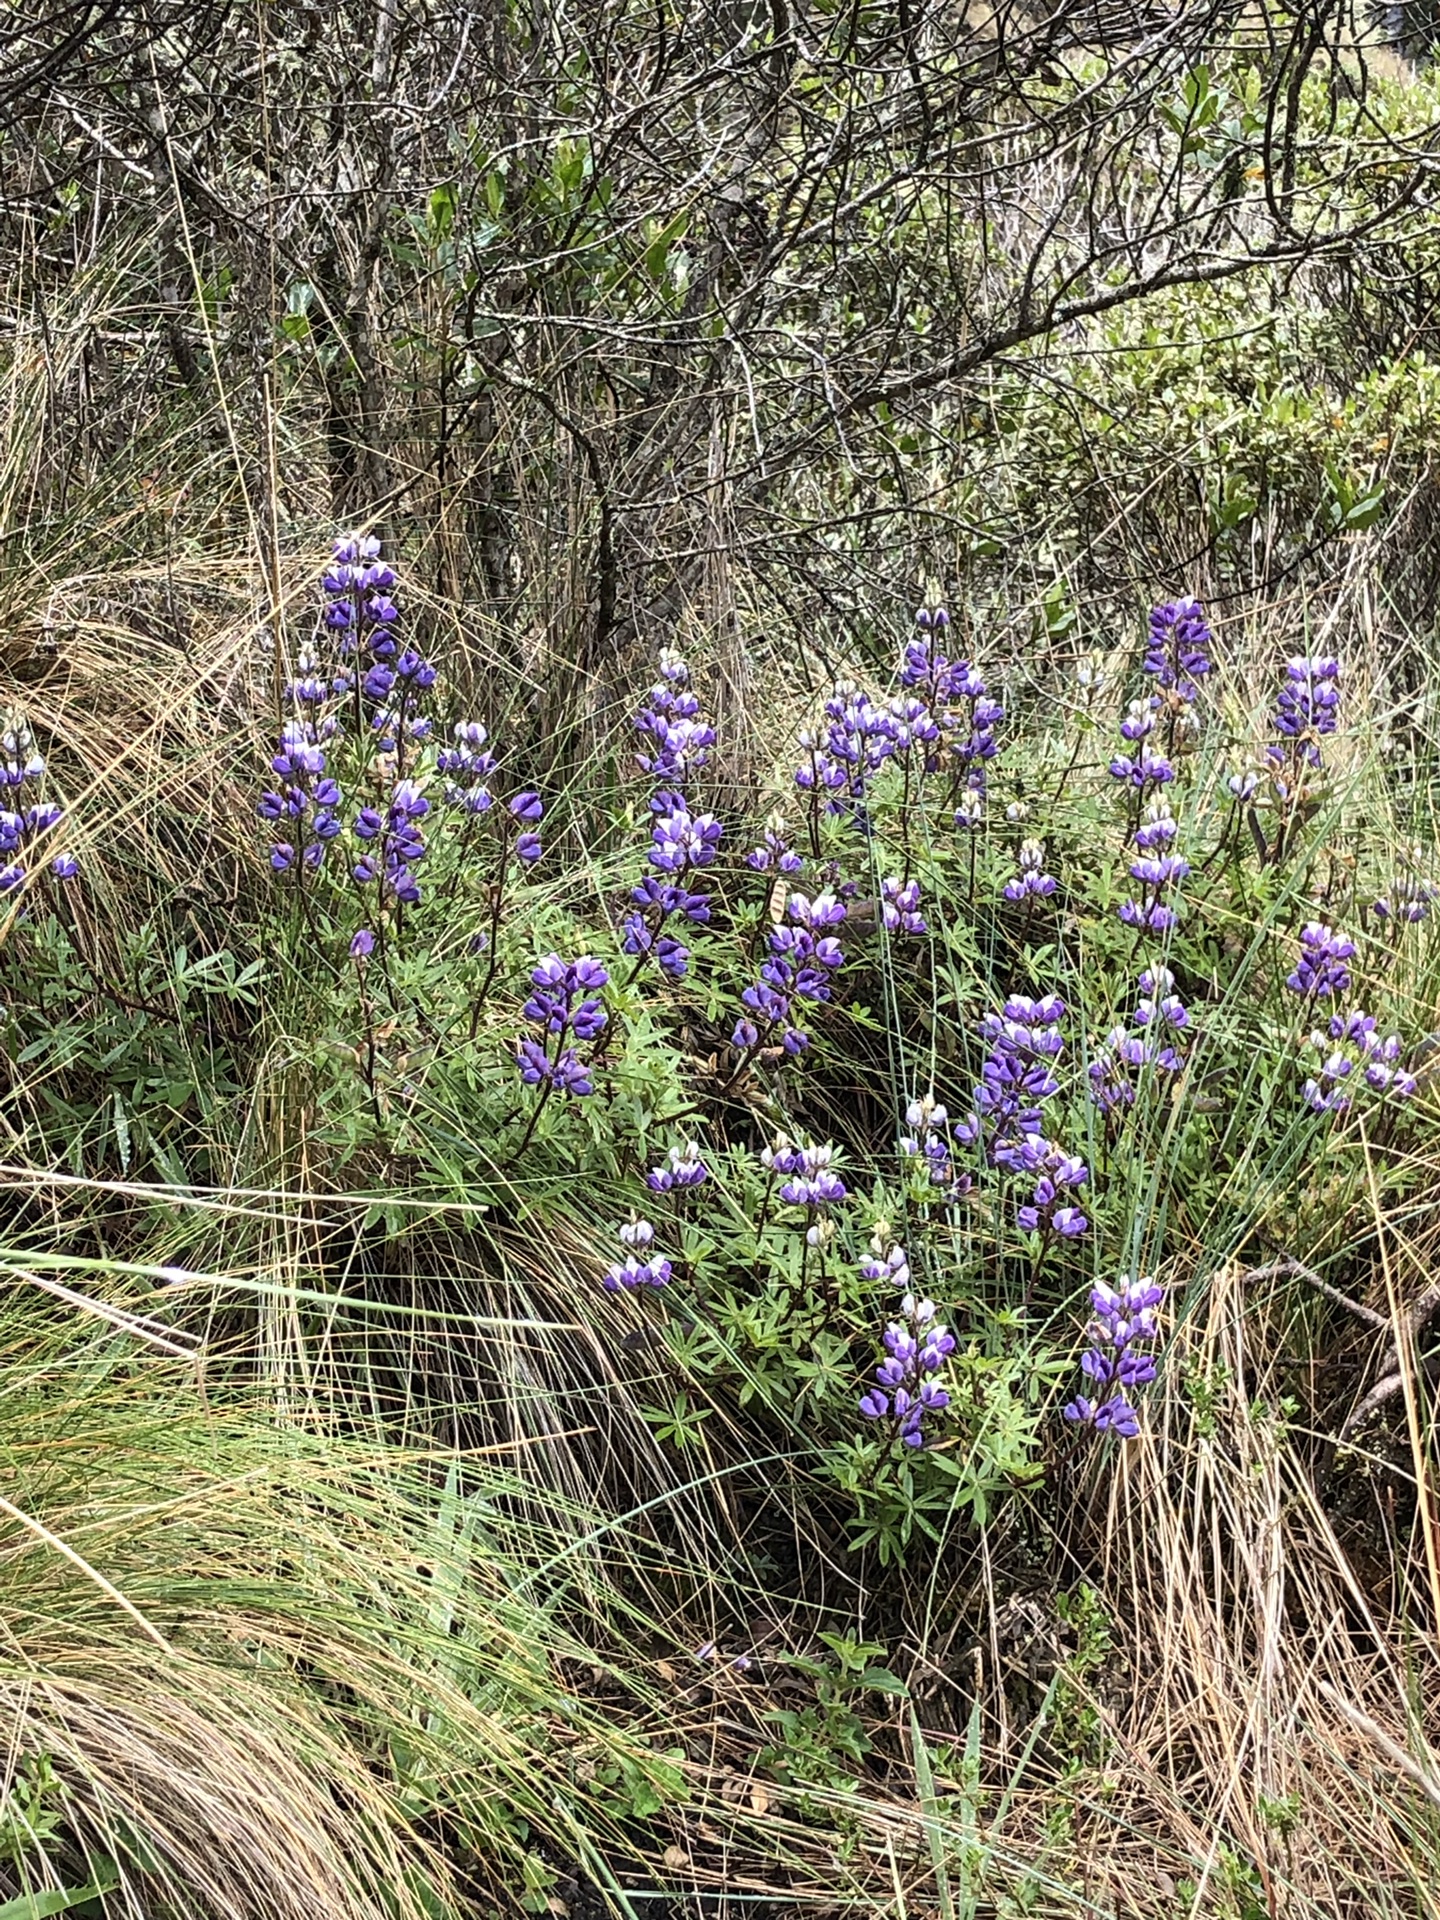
(594, 294)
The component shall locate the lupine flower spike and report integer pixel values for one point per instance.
(1321, 972)
(564, 1004)
(26, 820)
(1119, 1358)
(685, 1169)
(812, 1183)
(803, 954)
(640, 1265)
(675, 746)
(917, 1345)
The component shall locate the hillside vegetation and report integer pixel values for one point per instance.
(719, 995)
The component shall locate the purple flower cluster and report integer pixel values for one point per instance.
(639, 1266)
(970, 810)
(675, 741)
(686, 1169)
(956, 697)
(900, 907)
(25, 819)
(1143, 769)
(1350, 1042)
(1321, 972)
(1058, 1175)
(1407, 903)
(1126, 1055)
(931, 1139)
(564, 1004)
(775, 853)
(360, 609)
(942, 711)
(1016, 1079)
(467, 768)
(393, 845)
(306, 802)
(360, 613)
(681, 843)
(1118, 1360)
(809, 1181)
(1031, 880)
(857, 739)
(802, 956)
(1157, 867)
(1305, 711)
(886, 1260)
(1178, 653)
(677, 745)
(917, 1345)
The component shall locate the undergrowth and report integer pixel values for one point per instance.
(683, 1223)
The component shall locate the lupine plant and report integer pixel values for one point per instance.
(882, 1073)
(1002, 1203)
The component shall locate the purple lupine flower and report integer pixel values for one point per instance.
(1178, 653)
(900, 907)
(393, 843)
(801, 958)
(917, 1345)
(527, 810)
(1157, 826)
(1139, 719)
(858, 738)
(23, 827)
(632, 1270)
(681, 842)
(970, 809)
(686, 1169)
(782, 1156)
(310, 687)
(1157, 867)
(886, 1260)
(1118, 1359)
(1050, 1210)
(1408, 902)
(1243, 786)
(1125, 1056)
(1016, 1076)
(564, 1002)
(775, 853)
(962, 717)
(1352, 1041)
(362, 613)
(362, 946)
(814, 1185)
(306, 802)
(1306, 710)
(931, 1139)
(913, 725)
(467, 767)
(1143, 770)
(675, 741)
(1158, 1005)
(1031, 878)
(1321, 972)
